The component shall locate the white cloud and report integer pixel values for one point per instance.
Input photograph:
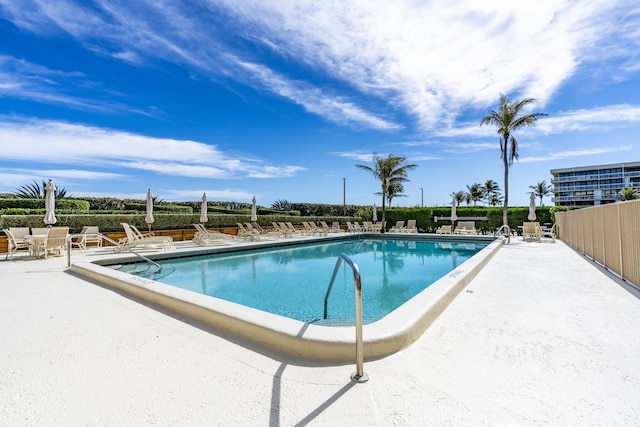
(429, 60)
(39, 141)
(574, 153)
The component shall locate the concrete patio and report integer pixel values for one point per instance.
(540, 337)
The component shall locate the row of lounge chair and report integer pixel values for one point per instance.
(462, 228)
(401, 228)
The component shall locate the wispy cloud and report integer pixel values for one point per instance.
(574, 153)
(100, 147)
(425, 60)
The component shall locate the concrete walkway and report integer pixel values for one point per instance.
(539, 337)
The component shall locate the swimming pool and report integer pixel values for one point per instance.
(293, 281)
(307, 340)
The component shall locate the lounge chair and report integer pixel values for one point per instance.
(204, 237)
(397, 228)
(531, 231)
(90, 234)
(544, 232)
(134, 240)
(327, 229)
(466, 227)
(292, 229)
(336, 227)
(14, 244)
(444, 229)
(316, 230)
(247, 234)
(149, 234)
(411, 227)
(354, 227)
(56, 242)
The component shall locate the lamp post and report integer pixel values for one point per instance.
(421, 197)
(344, 196)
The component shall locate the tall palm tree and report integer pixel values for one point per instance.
(476, 192)
(491, 191)
(508, 119)
(541, 189)
(390, 171)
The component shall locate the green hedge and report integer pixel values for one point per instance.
(62, 205)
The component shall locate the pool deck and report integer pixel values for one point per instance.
(539, 337)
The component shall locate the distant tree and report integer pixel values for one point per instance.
(491, 191)
(394, 190)
(495, 200)
(542, 189)
(475, 192)
(281, 205)
(458, 195)
(35, 191)
(467, 198)
(389, 170)
(629, 194)
(508, 119)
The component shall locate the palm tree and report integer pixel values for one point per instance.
(495, 200)
(507, 119)
(475, 192)
(394, 190)
(458, 195)
(390, 171)
(491, 191)
(35, 191)
(541, 189)
(629, 194)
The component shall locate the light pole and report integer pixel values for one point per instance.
(421, 197)
(344, 196)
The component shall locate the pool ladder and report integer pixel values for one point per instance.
(358, 376)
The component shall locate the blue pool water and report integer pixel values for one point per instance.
(292, 281)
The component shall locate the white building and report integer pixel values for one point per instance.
(593, 185)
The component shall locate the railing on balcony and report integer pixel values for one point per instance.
(608, 234)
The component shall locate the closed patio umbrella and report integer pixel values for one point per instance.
(203, 209)
(254, 210)
(454, 215)
(375, 213)
(149, 218)
(532, 207)
(50, 204)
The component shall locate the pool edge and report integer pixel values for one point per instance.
(389, 335)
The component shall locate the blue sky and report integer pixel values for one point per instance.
(282, 99)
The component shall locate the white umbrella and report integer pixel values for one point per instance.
(203, 209)
(532, 207)
(50, 203)
(149, 218)
(375, 213)
(454, 215)
(254, 211)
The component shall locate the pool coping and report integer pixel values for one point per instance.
(386, 336)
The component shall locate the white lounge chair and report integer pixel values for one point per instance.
(411, 227)
(444, 229)
(56, 242)
(466, 227)
(397, 228)
(531, 231)
(14, 244)
(90, 234)
(134, 240)
(542, 232)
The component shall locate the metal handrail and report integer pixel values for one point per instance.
(358, 376)
(108, 239)
(507, 232)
